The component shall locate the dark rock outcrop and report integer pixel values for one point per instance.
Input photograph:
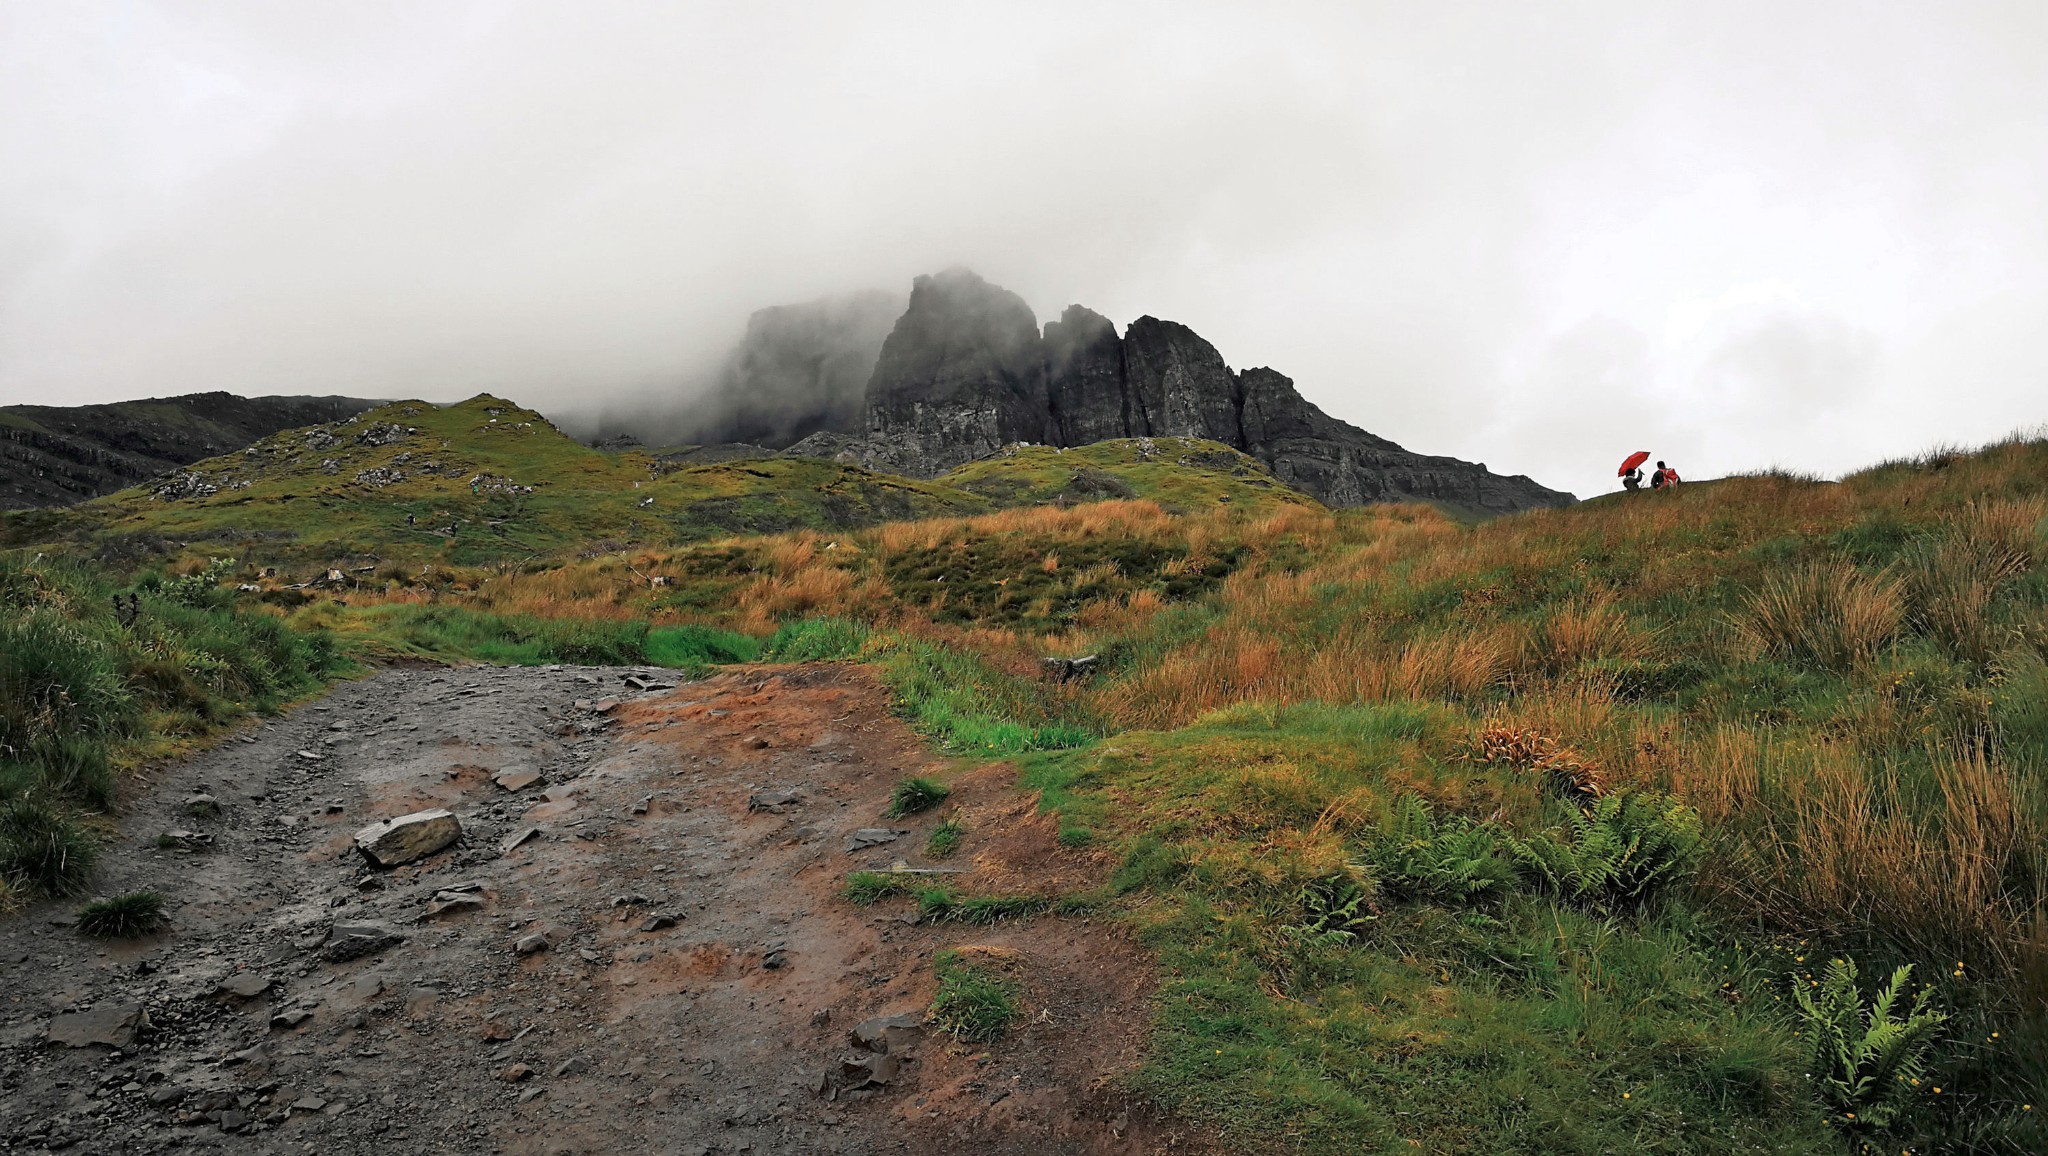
(965, 372)
(1084, 361)
(961, 376)
(57, 455)
(1178, 384)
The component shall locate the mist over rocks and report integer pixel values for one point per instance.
(966, 370)
(799, 369)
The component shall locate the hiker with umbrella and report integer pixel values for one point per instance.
(1631, 472)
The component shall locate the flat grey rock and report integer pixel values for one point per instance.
(872, 837)
(111, 1025)
(244, 985)
(408, 837)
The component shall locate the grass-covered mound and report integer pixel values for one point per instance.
(1187, 474)
(95, 676)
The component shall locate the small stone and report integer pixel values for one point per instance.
(368, 986)
(449, 903)
(657, 923)
(877, 1033)
(640, 807)
(515, 1073)
(517, 837)
(232, 1120)
(346, 941)
(872, 837)
(108, 1025)
(533, 1093)
(821, 1017)
(309, 1104)
(605, 705)
(291, 1018)
(573, 1066)
(244, 985)
(530, 944)
(166, 1095)
(408, 837)
(498, 1031)
(773, 801)
(202, 806)
(517, 778)
(310, 756)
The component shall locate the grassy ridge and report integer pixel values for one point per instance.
(409, 487)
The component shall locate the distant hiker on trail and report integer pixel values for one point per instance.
(1665, 478)
(1631, 472)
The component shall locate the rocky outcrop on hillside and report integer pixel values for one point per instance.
(57, 455)
(966, 371)
(961, 376)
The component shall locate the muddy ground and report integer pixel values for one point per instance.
(690, 977)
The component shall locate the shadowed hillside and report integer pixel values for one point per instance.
(56, 455)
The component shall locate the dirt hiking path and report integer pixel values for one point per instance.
(637, 946)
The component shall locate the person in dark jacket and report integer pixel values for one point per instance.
(1665, 477)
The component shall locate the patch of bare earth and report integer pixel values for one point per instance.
(700, 975)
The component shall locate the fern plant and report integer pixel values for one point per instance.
(1450, 860)
(1621, 851)
(1867, 1062)
(1334, 912)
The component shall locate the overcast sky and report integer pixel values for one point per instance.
(1536, 235)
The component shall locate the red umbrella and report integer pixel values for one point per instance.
(1635, 459)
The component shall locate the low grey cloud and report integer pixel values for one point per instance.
(1538, 236)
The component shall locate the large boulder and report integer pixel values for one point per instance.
(390, 842)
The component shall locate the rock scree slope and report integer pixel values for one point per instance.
(636, 945)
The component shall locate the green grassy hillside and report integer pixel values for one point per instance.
(1538, 835)
(486, 483)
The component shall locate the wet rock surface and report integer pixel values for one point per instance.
(568, 977)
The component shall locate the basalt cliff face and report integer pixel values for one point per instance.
(966, 371)
(57, 455)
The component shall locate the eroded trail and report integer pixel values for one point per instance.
(677, 852)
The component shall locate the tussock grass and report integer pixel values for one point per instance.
(944, 839)
(975, 1002)
(910, 796)
(128, 916)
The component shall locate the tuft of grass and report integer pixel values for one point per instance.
(911, 796)
(41, 850)
(1826, 614)
(944, 839)
(123, 916)
(867, 888)
(816, 640)
(941, 906)
(974, 1001)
